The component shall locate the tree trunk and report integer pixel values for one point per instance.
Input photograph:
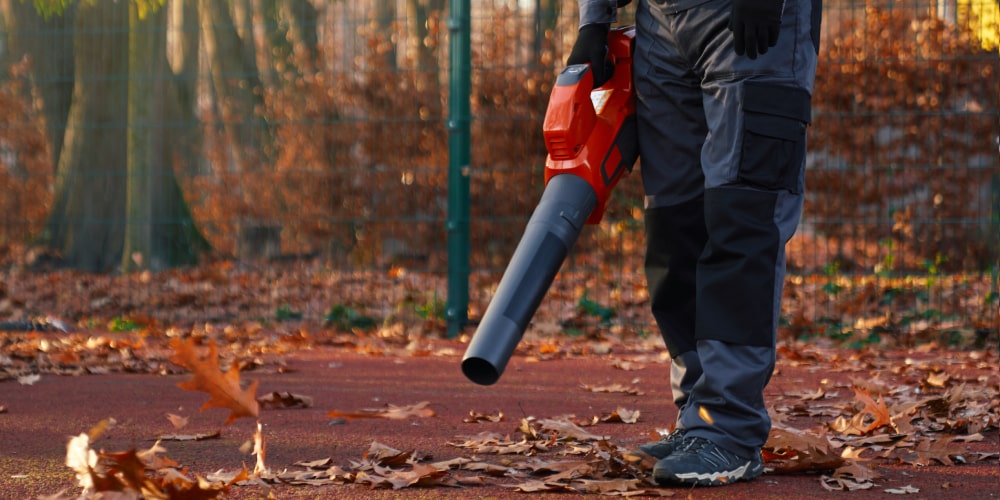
(546, 20)
(43, 41)
(182, 54)
(423, 55)
(86, 225)
(301, 18)
(385, 16)
(159, 232)
(237, 87)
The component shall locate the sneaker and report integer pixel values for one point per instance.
(698, 461)
(664, 447)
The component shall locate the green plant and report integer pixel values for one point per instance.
(347, 318)
(432, 308)
(832, 270)
(889, 295)
(123, 324)
(285, 313)
(592, 308)
(873, 337)
(888, 263)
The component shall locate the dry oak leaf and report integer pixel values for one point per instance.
(622, 415)
(475, 417)
(391, 412)
(930, 450)
(565, 428)
(387, 456)
(873, 416)
(285, 399)
(418, 475)
(793, 450)
(224, 388)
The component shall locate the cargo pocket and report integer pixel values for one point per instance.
(774, 136)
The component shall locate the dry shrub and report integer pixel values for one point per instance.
(904, 145)
(25, 166)
(357, 156)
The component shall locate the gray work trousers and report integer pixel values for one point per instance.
(722, 146)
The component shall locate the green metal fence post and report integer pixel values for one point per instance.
(459, 22)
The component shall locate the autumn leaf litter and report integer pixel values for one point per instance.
(919, 411)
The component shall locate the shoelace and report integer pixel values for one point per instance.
(707, 451)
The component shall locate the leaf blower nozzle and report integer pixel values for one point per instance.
(551, 232)
(590, 135)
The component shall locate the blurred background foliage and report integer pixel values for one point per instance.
(160, 133)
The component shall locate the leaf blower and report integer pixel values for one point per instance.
(590, 136)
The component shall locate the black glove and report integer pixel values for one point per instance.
(755, 25)
(591, 47)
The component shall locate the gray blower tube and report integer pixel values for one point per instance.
(551, 232)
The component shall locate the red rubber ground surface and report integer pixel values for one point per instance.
(42, 417)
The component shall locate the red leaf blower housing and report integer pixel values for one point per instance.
(590, 135)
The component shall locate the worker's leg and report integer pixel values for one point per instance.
(672, 129)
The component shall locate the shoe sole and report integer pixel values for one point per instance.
(746, 472)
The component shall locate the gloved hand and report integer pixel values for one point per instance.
(755, 25)
(591, 47)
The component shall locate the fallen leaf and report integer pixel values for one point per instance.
(177, 421)
(792, 450)
(567, 429)
(607, 486)
(260, 451)
(392, 412)
(937, 379)
(622, 415)
(807, 395)
(905, 490)
(285, 400)
(483, 417)
(613, 388)
(224, 388)
(99, 429)
(190, 437)
(386, 455)
(831, 483)
(929, 451)
(874, 415)
(82, 460)
(534, 486)
(153, 459)
(628, 365)
(970, 438)
(419, 474)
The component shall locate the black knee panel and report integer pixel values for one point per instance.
(737, 289)
(675, 238)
